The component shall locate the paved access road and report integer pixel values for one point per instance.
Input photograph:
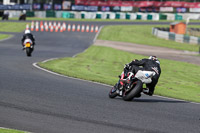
(36, 101)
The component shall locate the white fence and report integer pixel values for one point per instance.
(115, 15)
(175, 37)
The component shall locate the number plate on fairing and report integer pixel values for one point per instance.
(145, 76)
(28, 45)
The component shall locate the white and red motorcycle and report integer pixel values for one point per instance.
(128, 93)
(28, 46)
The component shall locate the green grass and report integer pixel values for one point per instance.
(12, 26)
(2, 130)
(142, 34)
(101, 64)
(4, 36)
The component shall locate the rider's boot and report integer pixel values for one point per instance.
(147, 91)
(23, 48)
(138, 95)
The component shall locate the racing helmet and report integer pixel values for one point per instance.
(27, 31)
(154, 58)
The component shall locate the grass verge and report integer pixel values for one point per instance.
(4, 36)
(142, 34)
(3, 130)
(101, 64)
(12, 26)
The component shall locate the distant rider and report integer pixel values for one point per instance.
(151, 64)
(28, 35)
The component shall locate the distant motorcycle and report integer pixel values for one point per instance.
(128, 93)
(28, 46)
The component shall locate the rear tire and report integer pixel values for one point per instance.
(28, 51)
(129, 95)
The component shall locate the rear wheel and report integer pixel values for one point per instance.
(128, 95)
(28, 51)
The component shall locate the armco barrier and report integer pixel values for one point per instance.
(186, 39)
(175, 37)
(13, 14)
(101, 15)
(170, 16)
(131, 16)
(162, 16)
(179, 38)
(120, 15)
(65, 14)
(108, 15)
(30, 14)
(40, 14)
(144, 16)
(88, 15)
(58, 14)
(171, 36)
(178, 17)
(77, 14)
(155, 16)
(50, 13)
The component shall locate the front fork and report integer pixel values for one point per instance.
(121, 86)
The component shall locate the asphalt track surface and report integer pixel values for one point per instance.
(37, 101)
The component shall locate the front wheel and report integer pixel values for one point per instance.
(113, 92)
(128, 95)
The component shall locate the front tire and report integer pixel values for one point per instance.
(135, 90)
(113, 92)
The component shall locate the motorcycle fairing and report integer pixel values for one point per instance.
(145, 76)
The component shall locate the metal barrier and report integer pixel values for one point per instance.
(165, 34)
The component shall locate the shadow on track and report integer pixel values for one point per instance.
(158, 101)
(142, 100)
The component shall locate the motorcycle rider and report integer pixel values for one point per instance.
(28, 35)
(150, 64)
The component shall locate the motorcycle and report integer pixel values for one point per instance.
(28, 46)
(129, 89)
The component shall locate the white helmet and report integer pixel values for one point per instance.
(154, 58)
(27, 31)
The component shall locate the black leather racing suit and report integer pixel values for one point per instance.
(28, 36)
(147, 65)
